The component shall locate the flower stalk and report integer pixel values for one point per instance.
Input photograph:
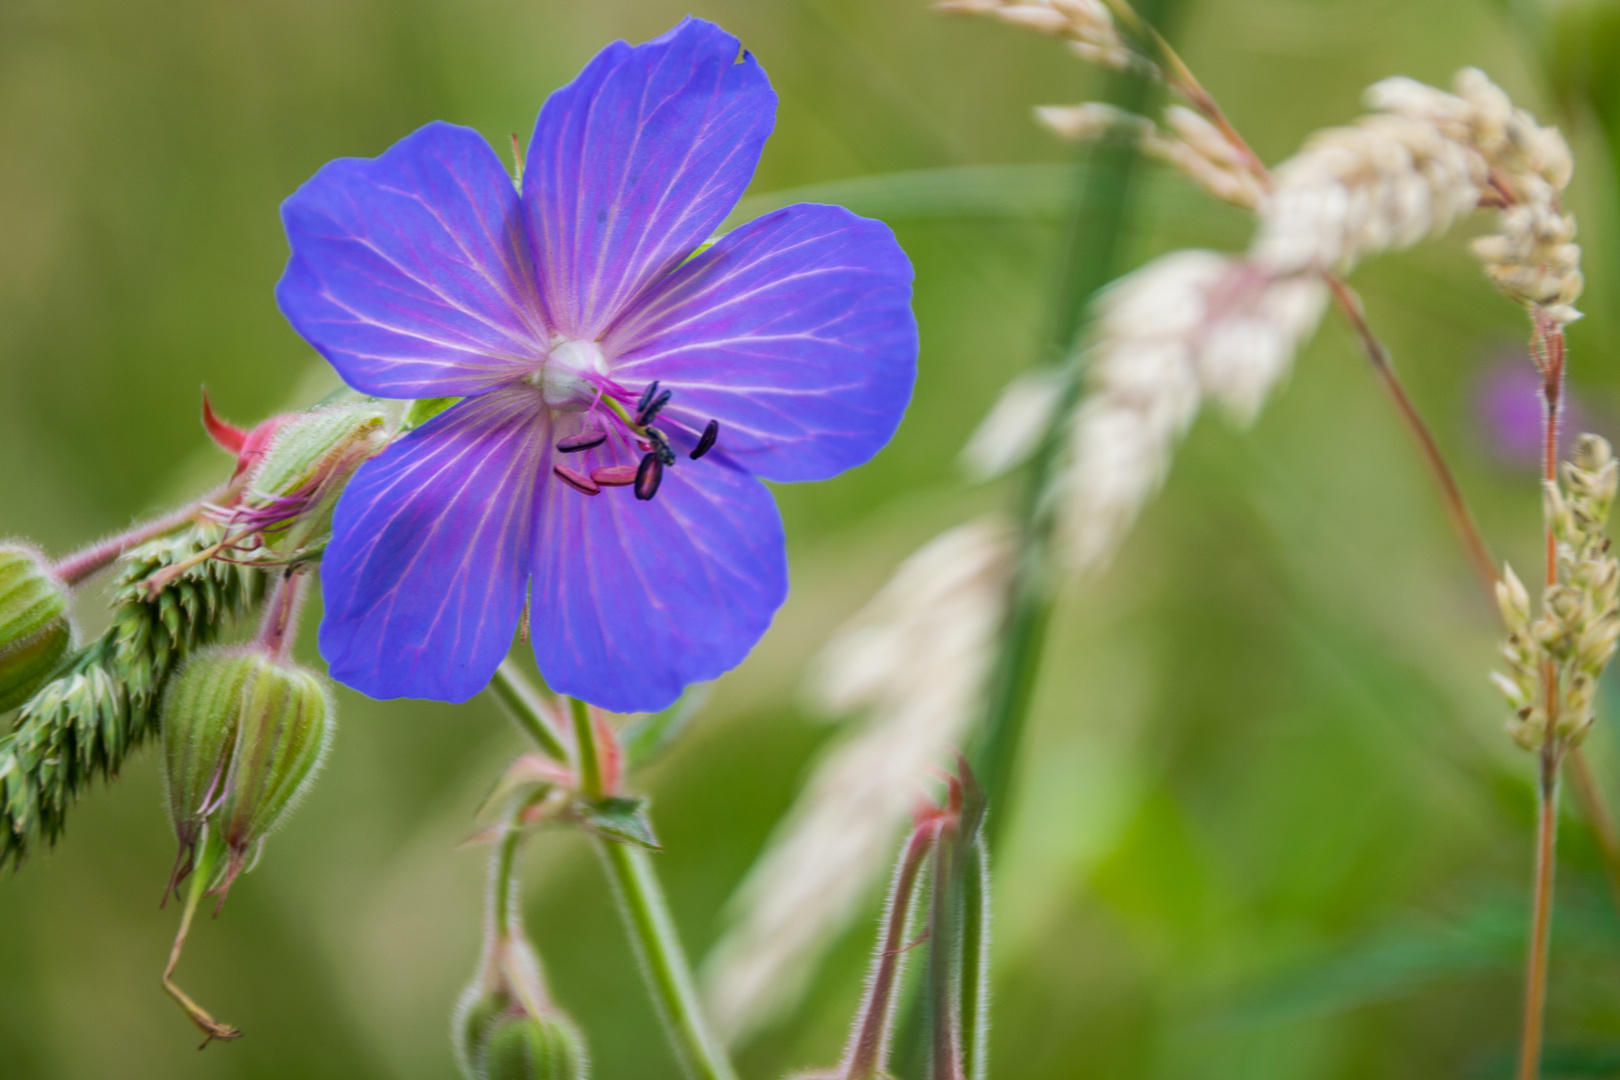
(663, 960)
(74, 569)
(1547, 347)
(868, 1048)
(519, 700)
(590, 763)
(208, 865)
(664, 965)
(1535, 971)
(278, 630)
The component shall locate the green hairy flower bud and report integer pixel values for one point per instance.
(495, 1037)
(243, 736)
(535, 1048)
(475, 1021)
(284, 728)
(34, 628)
(308, 466)
(201, 716)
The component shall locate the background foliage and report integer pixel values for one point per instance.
(1268, 824)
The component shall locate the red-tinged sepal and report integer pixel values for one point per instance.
(226, 435)
(248, 447)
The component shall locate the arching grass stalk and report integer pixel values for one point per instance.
(635, 882)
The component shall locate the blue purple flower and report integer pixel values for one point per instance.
(624, 397)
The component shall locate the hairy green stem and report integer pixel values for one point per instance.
(663, 961)
(641, 897)
(522, 703)
(502, 892)
(975, 988)
(1097, 232)
(590, 766)
(944, 959)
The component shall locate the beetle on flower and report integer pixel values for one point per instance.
(626, 387)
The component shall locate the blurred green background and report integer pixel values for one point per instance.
(1267, 824)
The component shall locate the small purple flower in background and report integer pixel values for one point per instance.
(623, 397)
(1508, 401)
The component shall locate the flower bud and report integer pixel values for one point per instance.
(535, 1048)
(283, 731)
(475, 1020)
(307, 467)
(34, 628)
(200, 719)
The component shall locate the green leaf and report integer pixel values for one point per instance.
(622, 820)
(424, 409)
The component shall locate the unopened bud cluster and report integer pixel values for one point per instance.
(1087, 24)
(1575, 635)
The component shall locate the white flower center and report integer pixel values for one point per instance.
(565, 378)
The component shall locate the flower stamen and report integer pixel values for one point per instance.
(706, 441)
(614, 475)
(583, 441)
(576, 480)
(648, 476)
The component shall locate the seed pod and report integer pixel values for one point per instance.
(34, 628)
(282, 736)
(200, 719)
(536, 1048)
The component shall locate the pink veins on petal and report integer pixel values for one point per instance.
(623, 396)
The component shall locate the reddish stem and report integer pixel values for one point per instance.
(1451, 497)
(869, 1043)
(75, 568)
(279, 628)
(1535, 976)
(1548, 347)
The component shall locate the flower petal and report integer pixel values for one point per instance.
(410, 272)
(431, 544)
(634, 600)
(795, 331)
(635, 162)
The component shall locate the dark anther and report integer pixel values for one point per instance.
(646, 397)
(650, 411)
(660, 446)
(649, 476)
(576, 480)
(583, 441)
(706, 440)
